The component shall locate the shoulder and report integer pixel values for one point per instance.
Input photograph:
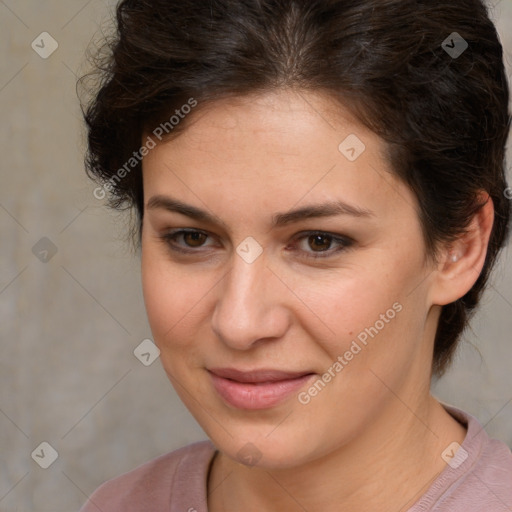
(489, 481)
(489, 461)
(478, 476)
(178, 475)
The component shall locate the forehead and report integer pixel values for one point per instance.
(284, 117)
(285, 147)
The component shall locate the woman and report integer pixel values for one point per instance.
(321, 196)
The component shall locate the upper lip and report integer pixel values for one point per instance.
(262, 375)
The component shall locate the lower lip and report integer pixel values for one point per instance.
(257, 396)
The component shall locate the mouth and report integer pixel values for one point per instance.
(256, 389)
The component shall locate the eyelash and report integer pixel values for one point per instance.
(344, 242)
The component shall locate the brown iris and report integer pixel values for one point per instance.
(194, 239)
(320, 242)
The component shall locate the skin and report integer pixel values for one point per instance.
(373, 437)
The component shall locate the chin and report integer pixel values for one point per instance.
(264, 448)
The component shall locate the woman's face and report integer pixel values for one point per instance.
(337, 291)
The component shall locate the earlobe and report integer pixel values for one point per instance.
(464, 259)
(455, 256)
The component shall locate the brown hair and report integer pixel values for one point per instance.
(444, 116)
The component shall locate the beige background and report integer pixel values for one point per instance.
(69, 326)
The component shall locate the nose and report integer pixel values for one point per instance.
(251, 306)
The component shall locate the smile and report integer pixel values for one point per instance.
(258, 389)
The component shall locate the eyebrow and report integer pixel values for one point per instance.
(328, 209)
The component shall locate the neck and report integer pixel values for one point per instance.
(388, 467)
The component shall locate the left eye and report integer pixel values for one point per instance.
(321, 244)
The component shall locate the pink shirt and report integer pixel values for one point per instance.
(478, 478)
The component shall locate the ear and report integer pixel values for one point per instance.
(462, 261)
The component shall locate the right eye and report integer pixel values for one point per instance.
(191, 238)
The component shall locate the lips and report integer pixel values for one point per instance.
(256, 376)
(256, 389)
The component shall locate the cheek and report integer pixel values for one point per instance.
(171, 296)
(369, 307)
